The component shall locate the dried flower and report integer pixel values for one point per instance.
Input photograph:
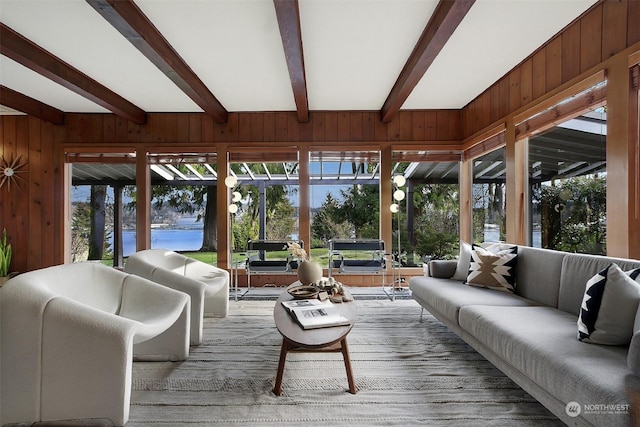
(296, 251)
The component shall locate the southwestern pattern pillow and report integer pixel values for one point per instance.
(491, 270)
(609, 307)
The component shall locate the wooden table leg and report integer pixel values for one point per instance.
(347, 365)
(277, 388)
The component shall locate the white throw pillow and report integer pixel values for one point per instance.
(609, 307)
(462, 269)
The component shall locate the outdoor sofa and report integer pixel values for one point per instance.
(532, 333)
(70, 334)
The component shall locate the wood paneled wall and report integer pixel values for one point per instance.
(605, 30)
(424, 127)
(30, 212)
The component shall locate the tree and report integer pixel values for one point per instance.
(188, 199)
(437, 220)
(326, 223)
(574, 215)
(279, 214)
(361, 208)
(80, 231)
(98, 221)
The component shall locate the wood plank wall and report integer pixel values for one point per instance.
(28, 212)
(605, 30)
(421, 127)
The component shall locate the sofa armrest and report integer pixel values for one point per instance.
(442, 269)
(633, 357)
(155, 307)
(86, 363)
(191, 287)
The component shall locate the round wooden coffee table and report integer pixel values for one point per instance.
(296, 339)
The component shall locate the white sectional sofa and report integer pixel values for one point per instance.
(207, 285)
(532, 333)
(69, 336)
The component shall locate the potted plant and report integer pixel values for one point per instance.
(5, 258)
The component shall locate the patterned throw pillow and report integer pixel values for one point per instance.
(493, 270)
(609, 307)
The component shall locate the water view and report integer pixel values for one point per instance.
(186, 237)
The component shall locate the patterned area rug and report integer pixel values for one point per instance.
(407, 373)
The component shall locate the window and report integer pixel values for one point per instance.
(568, 178)
(428, 217)
(344, 197)
(489, 197)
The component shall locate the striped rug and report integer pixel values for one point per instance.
(407, 373)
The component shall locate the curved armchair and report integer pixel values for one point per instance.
(208, 286)
(70, 334)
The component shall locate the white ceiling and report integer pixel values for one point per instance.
(354, 51)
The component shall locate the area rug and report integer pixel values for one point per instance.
(407, 373)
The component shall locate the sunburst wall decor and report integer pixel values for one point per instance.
(10, 170)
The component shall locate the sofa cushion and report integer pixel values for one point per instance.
(577, 269)
(609, 307)
(539, 274)
(464, 259)
(447, 296)
(539, 342)
(493, 270)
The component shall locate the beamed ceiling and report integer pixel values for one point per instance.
(220, 56)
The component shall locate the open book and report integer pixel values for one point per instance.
(312, 314)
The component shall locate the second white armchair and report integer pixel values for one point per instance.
(207, 285)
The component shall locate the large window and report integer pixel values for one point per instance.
(567, 174)
(268, 205)
(428, 217)
(344, 197)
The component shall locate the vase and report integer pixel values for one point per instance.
(309, 272)
(4, 279)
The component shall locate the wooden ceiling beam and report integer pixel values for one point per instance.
(20, 102)
(34, 57)
(126, 17)
(444, 21)
(288, 14)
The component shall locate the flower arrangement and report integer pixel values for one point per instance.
(296, 251)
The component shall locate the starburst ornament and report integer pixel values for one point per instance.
(10, 170)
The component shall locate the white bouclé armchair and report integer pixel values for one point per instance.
(70, 334)
(207, 285)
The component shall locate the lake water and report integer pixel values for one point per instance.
(175, 240)
(188, 237)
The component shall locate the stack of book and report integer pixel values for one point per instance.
(312, 313)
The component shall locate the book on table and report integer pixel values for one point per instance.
(312, 314)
